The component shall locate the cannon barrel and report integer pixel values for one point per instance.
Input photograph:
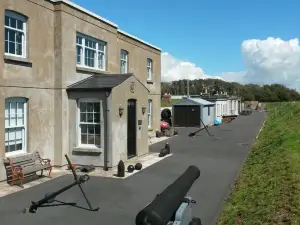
(165, 204)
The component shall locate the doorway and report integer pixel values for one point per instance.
(131, 128)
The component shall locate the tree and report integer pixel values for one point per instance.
(248, 92)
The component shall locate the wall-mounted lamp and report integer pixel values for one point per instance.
(121, 110)
(143, 110)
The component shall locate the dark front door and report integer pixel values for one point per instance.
(187, 116)
(131, 128)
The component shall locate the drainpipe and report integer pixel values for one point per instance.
(108, 144)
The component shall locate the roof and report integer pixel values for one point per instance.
(99, 82)
(137, 39)
(193, 101)
(102, 19)
(214, 97)
(234, 98)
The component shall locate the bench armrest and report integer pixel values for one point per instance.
(45, 161)
(17, 169)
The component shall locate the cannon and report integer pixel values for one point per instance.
(172, 206)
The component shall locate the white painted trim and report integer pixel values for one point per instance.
(24, 134)
(138, 39)
(78, 129)
(86, 11)
(22, 18)
(150, 119)
(96, 59)
(104, 20)
(124, 60)
(150, 78)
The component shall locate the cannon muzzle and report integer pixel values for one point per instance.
(165, 204)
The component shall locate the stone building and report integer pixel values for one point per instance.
(74, 83)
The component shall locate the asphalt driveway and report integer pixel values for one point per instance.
(219, 159)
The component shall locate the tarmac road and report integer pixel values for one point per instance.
(219, 158)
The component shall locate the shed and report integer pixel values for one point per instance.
(189, 111)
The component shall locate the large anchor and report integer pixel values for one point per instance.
(50, 197)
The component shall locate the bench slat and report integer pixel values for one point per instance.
(23, 158)
(35, 168)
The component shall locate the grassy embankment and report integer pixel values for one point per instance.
(268, 188)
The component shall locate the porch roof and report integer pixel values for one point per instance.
(99, 82)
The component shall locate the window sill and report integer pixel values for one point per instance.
(90, 70)
(150, 129)
(150, 82)
(83, 149)
(17, 60)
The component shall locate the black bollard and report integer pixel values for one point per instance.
(121, 169)
(163, 152)
(167, 146)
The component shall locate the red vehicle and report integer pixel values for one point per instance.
(164, 125)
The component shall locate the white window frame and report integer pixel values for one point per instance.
(125, 60)
(79, 144)
(23, 32)
(149, 69)
(150, 111)
(96, 53)
(24, 131)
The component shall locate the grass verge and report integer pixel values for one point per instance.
(268, 188)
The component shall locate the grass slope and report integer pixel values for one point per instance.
(268, 188)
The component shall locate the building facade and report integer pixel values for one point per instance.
(74, 83)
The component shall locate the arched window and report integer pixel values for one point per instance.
(15, 34)
(15, 125)
(149, 69)
(124, 61)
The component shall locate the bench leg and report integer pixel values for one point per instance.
(21, 176)
(13, 179)
(50, 169)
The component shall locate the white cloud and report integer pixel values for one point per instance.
(270, 61)
(267, 61)
(175, 69)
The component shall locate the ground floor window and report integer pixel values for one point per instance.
(90, 121)
(149, 113)
(15, 125)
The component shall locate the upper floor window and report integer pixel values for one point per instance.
(15, 34)
(124, 61)
(90, 52)
(149, 69)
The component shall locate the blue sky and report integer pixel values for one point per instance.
(208, 33)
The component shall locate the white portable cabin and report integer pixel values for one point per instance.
(234, 106)
(221, 104)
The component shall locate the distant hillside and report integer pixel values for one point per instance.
(249, 92)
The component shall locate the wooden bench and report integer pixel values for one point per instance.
(21, 165)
